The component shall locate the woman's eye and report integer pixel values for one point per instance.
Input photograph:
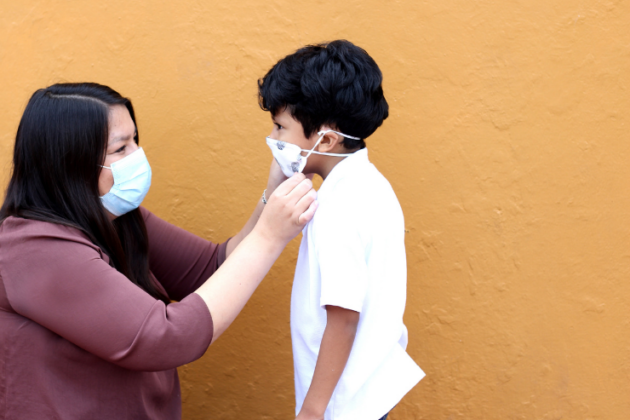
(120, 150)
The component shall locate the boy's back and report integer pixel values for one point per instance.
(352, 256)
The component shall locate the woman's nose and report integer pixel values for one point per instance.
(132, 147)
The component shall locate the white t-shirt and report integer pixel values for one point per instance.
(352, 255)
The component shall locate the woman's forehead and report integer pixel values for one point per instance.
(121, 126)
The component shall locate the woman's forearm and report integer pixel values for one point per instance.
(231, 286)
(249, 226)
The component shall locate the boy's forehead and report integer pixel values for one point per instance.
(284, 115)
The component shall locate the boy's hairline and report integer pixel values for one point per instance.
(288, 107)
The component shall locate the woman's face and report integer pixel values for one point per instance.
(120, 143)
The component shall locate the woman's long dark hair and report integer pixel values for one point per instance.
(60, 144)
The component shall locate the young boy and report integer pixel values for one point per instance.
(349, 289)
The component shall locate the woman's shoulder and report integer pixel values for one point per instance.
(19, 234)
(13, 225)
(150, 220)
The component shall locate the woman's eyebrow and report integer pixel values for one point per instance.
(123, 138)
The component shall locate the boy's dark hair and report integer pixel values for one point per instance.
(336, 83)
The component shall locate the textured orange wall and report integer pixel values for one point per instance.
(507, 145)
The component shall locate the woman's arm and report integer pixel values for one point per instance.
(56, 277)
(276, 177)
(288, 209)
(182, 261)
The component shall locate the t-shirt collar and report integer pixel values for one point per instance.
(349, 164)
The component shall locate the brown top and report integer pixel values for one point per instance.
(78, 340)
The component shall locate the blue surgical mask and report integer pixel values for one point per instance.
(132, 179)
(289, 156)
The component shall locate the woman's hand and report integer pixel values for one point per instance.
(290, 207)
(276, 177)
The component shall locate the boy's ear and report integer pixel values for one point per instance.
(330, 142)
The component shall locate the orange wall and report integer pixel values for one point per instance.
(507, 145)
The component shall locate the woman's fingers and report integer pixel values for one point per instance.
(289, 208)
(294, 190)
(306, 217)
(287, 186)
(305, 202)
(300, 191)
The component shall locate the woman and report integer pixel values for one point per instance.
(87, 327)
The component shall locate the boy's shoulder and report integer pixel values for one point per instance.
(360, 196)
(357, 185)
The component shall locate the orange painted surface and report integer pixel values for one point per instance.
(507, 145)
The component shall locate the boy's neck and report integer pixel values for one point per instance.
(328, 163)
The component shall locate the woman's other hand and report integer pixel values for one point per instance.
(276, 177)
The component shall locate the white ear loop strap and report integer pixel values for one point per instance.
(322, 134)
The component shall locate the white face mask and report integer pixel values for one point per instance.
(132, 179)
(289, 156)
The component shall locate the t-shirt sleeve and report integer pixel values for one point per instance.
(180, 261)
(342, 263)
(65, 286)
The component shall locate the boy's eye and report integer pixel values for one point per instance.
(278, 126)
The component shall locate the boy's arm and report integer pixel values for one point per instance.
(341, 328)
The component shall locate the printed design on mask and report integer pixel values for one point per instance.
(280, 145)
(295, 166)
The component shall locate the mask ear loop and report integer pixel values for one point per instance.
(341, 134)
(323, 133)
